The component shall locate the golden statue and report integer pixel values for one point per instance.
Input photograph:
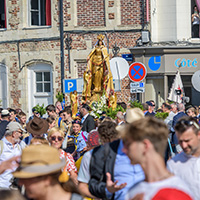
(113, 100)
(74, 103)
(87, 77)
(99, 67)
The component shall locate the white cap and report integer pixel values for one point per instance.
(5, 112)
(13, 126)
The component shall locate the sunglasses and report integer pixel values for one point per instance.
(187, 123)
(53, 138)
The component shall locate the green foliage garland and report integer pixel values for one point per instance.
(136, 104)
(161, 115)
(40, 109)
(60, 96)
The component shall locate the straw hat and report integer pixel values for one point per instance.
(133, 114)
(37, 126)
(38, 161)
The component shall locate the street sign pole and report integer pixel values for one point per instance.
(137, 73)
(118, 75)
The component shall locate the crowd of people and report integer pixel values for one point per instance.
(134, 156)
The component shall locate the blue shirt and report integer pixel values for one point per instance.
(80, 141)
(125, 172)
(28, 139)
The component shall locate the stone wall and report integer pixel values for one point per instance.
(83, 21)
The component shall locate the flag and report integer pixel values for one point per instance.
(176, 93)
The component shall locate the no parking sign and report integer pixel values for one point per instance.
(137, 72)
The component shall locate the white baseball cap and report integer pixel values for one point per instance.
(14, 126)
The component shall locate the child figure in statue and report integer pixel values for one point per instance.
(113, 100)
(74, 103)
(87, 77)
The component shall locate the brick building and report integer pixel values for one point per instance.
(30, 56)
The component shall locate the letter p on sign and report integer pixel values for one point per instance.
(70, 85)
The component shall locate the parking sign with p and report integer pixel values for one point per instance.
(70, 85)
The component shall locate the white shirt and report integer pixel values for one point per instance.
(84, 171)
(8, 152)
(163, 187)
(169, 119)
(120, 123)
(84, 117)
(196, 20)
(188, 169)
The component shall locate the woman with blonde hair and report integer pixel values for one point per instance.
(56, 138)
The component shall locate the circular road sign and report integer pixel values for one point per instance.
(119, 67)
(196, 80)
(137, 72)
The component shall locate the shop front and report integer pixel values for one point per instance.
(162, 63)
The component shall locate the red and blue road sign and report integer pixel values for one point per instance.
(137, 72)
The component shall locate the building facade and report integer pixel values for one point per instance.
(30, 58)
(171, 48)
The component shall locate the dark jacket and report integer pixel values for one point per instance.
(3, 125)
(88, 124)
(175, 120)
(177, 117)
(102, 161)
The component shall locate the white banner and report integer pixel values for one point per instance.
(177, 92)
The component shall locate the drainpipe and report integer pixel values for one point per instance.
(143, 14)
(61, 45)
(147, 10)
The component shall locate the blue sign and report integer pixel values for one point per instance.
(141, 84)
(185, 63)
(128, 57)
(154, 63)
(70, 85)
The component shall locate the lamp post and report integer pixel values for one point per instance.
(68, 42)
(115, 50)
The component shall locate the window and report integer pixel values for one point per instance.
(2, 13)
(43, 83)
(195, 10)
(40, 12)
(40, 84)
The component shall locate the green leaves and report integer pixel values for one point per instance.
(136, 104)
(40, 109)
(112, 113)
(60, 96)
(161, 115)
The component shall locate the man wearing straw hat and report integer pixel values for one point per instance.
(40, 172)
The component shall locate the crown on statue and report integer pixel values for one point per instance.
(100, 37)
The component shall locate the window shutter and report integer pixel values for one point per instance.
(48, 12)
